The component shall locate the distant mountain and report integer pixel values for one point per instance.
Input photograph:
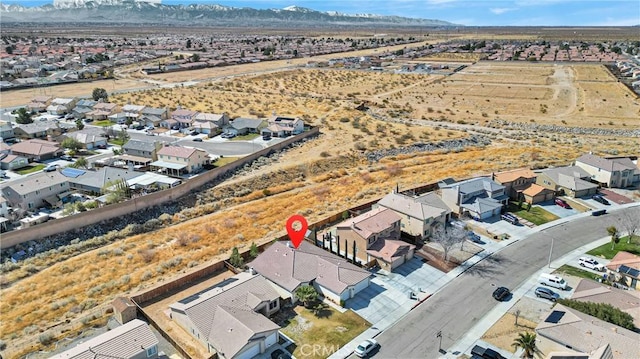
(152, 12)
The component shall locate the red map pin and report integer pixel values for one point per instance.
(296, 235)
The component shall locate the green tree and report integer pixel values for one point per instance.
(79, 124)
(253, 251)
(100, 94)
(80, 162)
(188, 43)
(307, 294)
(236, 259)
(71, 143)
(603, 311)
(615, 236)
(9, 49)
(526, 341)
(195, 58)
(24, 116)
(117, 191)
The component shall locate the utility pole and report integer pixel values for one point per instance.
(550, 252)
(439, 336)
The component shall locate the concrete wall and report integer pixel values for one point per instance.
(139, 203)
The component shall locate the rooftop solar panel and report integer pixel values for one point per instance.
(554, 317)
(72, 172)
(628, 270)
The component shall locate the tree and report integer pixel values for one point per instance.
(79, 124)
(615, 238)
(188, 43)
(195, 58)
(80, 162)
(253, 251)
(24, 116)
(236, 259)
(307, 294)
(630, 223)
(100, 94)
(447, 238)
(117, 191)
(526, 341)
(71, 143)
(9, 49)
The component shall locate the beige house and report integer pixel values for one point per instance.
(571, 181)
(124, 310)
(37, 150)
(177, 160)
(39, 103)
(418, 214)
(231, 319)
(37, 190)
(61, 106)
(515, 181)
(627, 265)
(615, 172)
(627, 301)
(536, 194)
(133, 340)
(374, 235)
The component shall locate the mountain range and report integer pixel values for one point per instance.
(152, 12)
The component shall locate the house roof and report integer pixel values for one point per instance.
(225, 314)
(534, 190)
(36, 147)
(105, 106)
(211, 117)
(476, 184)
(35, 182)
(120, 304)
(510, 176)
(183, 113)
(626, 300)
(61, 101)
(103, 176)
(125, 341)
(153, 111)
(11, 158)
(609, 165)
(86, 103)
(241, 123)
(422, 207)
(624, 258)
(86, 138)
(132, 108)
(585, 333)
(289, 267)
(138, 145)
(482, 205)
(177, 151)
(372, 222)
(38, 126)
(389, 249)
(41, 99)
(573, 171)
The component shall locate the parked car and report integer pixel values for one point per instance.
(546, 293)
(197, 139)
(150, 127)
(280, 354)
(193, 133)
(366, 347)
(474, 237)
(175, 127)
(562, 203)
(598, 212)
(599, 198)
(501, 293)
(591, 264)
(510, 218)
(50, 168)
(66, 158)
(88, 120)
(552, 281)
(139, 127)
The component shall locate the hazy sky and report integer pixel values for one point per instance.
(465, 12)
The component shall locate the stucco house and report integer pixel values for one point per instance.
(615, 172)
(627, 301)
(61, 106)
(132, 112)
(536, 194)
(374, 235)
(278, 126)
(289, 268)
(184, 118)
(242, 126)
(571, 181)
(133, 340)
(627, 265)
(37, 150)
(124, 310)
(6, 131)
(12, 162)
(141, 148)
(88, 139)
(419, 214)
(479, 198)
(39, 129)
(219, 120)
(178, 160)
(37, 190)
(102, 111)
(515, 181)
(39, 103)
(231, 318)
(153, 111)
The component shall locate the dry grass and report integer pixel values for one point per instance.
(505, 330)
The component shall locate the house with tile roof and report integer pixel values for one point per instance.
(374, 235)
(536, 194)
(39, 103)
(571, 181)
(418, 214)
(479, 198)
(627, 265)
(88, 139)
(133, 340)
(278, 126)
(94, 181)
(6, 131)
(566, 329)
(183, 117)
(37, 150)
(12, 162)
(37, 190)
(515, 181)
(289, 268)
(142, 148)
(124, 310)
(231, 318)
(627, 301)
(153, 111)
(242, 126)
(102, 111)
(178, 160)
(61, 106)
(219, 120)
(39, 129)
(613, 173)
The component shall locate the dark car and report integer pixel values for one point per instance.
(139, 127)
(562, 203)
(474, 237)
(546, 293)
(510, 218)
(599, 198)
(197, 139)
(501, 293)
(193, 133)
(280, 354)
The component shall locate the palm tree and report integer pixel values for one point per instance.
(613, 232)
(526, 341)
(306, 294)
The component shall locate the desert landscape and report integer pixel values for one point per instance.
(506, 103)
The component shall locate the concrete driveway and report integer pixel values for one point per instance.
(561, 212)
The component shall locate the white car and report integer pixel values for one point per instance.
(366, 347)
(591, 264)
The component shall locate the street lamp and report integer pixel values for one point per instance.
(439, 336)
(550, 252)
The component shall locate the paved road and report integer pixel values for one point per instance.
(467, 299)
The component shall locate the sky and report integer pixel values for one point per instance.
(465, 12)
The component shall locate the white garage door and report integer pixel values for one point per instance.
(250, 353)
(271, 340)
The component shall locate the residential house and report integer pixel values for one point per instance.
(102, 111)
(278, 126)
(124, 310)
(333, 277)
(89, 139)
(150, 121)
(133, 340)
(37, 150)
(479, 198)
(627, 301)
(39, 129)
(419, 214)
(152, 111)
(36, 190)
(141, 148)
(83, 107)
(627, 265)
(95, 181)
(536, 194)
(6, 131)
(567, 329)
(4, 214)
(515, 182)
(243, 126)
(374, 235)
(39, 103)
(208, 128)
(12, 162)
(613, 173)
(220, 120)
(572, 181)
(184, 118)
(132, 112)
(61, 106)
(230, 318)
(177, 160)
